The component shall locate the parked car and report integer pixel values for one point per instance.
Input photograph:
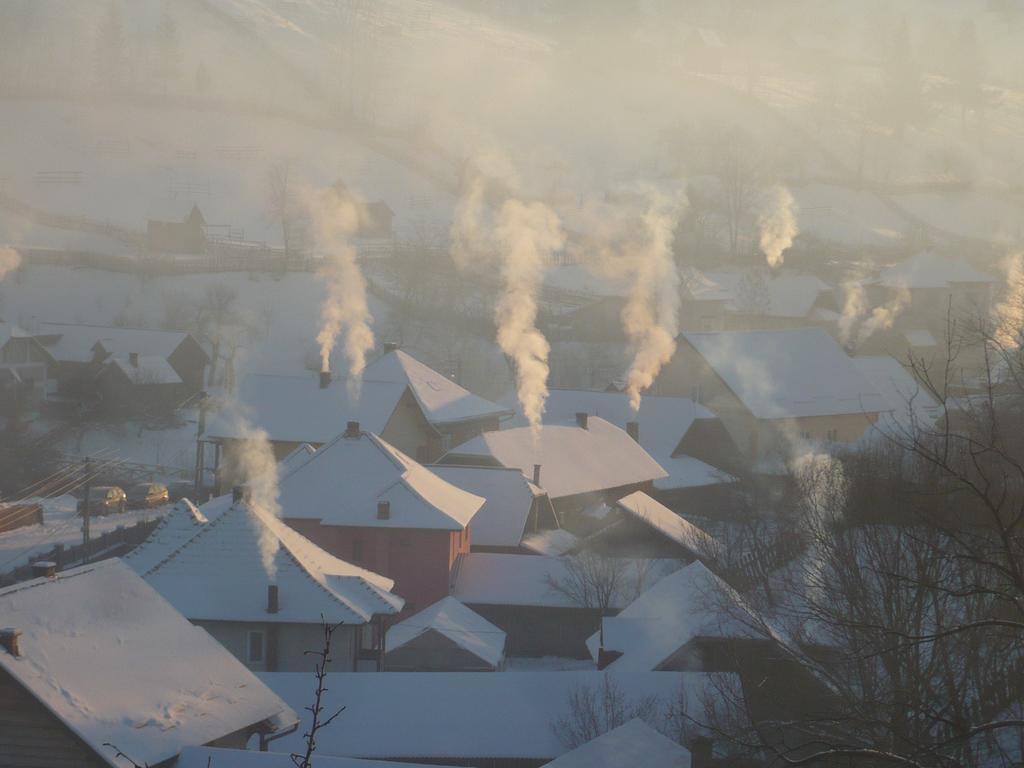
(105, 500)
(148, 495)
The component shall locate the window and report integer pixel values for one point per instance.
(254, 652)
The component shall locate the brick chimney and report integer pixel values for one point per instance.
(633, 430)
(325, 379)
(582, 419)
(272, 598)
(536, 474)
(351, 429)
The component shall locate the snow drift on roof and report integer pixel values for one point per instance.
(116, 663)
(394, 715)
(464, 627)
(226, 553)
(442, 400)
(632, 745)
(342, 483)
(296, 409)
(502, 520)
(573, 460)
(787, 374)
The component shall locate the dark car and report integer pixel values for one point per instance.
(148, 495)
(105, 500)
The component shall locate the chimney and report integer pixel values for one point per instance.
(9, 639)
(536, 474)
(390, 346)
(272, 604)
(237, 494)
(133, 359)
(44, 569)
(352, 429)
(581, 419)
(633, 430)
(325, 379)
(383, 510)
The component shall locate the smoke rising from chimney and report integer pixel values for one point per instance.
(345, 309)
(852, 323)
(854, 308)
(253, 464)
(10, 260)
(777, 223)
(883, 317)
(1008, 313)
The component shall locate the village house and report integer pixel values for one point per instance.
(445, 637)
(909, 405)
(187, 236)
(366, 502)
(774, 390)
(578, 465)
(634, 744)
(274, 588)
(466, 718)
(405, 402)
(536, 600)
(95, 656)
(83, 352)
(516, 508)
(25, 368)
(139, 384)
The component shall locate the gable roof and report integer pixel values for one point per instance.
(787, 295)
(631, 744)
(787, 374)
(297, 409)
(464, 627)
(930, 270)
(908, 402)
(639, 506)
(76, 341)
(111, 659)
(183, 521)
(392, 715)
(692, 602)
(663, 423)
(441, 399)
(226, 552)
(509, 495)
(344, 480)
(573, 460)
(10, 331)
(151, 369)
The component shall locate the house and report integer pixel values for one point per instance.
(466, 718)
(690, 442)
(515, 508)
(366, 502)
(82, 352)
(185, 236)
(533, 598)
(910, 406)
(577, 465)
(774, 390)
(25, 367)
(405, 402)
(632, 744)
(214, 757)
(139, 384)
(274, 588)
(445, 637)
(643, 527)
(94, 655)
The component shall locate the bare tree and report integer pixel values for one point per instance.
(594, 580)
(592, 711)
(218, 313)
(318, 721)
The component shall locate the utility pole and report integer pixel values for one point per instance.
(86, 512)
(200, 444)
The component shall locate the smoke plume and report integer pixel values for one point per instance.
(253, 465)
(777, 223)
(345, 308)
(1008, 313)
(882, 317)
(854, 308)
(10, 260)
(858, 324)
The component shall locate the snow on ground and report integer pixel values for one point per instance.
(848, 216)
(978, 213)
(62, 525)
(172, 449)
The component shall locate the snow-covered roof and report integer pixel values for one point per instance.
(931, 270)
(465, 715)
(632, 745)
(788, 373)
(692, 602)
(920, 337)
(295, 458)
(149, 369)
(502, 520)
(489, 578)
(552, 542)
(76, 342)
(785, 295)
(183, 521)
(216, 757)
(10, 331)
(227, 552)
(442, 400)
(908, 403)
(342, 483)
(464, 627)
(656, 515)
(573, 460)
(296, 409)
(110, 658)
(663, 423)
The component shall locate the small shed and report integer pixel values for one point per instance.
(445, 637)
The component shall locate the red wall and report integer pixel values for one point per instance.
(420, 561)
